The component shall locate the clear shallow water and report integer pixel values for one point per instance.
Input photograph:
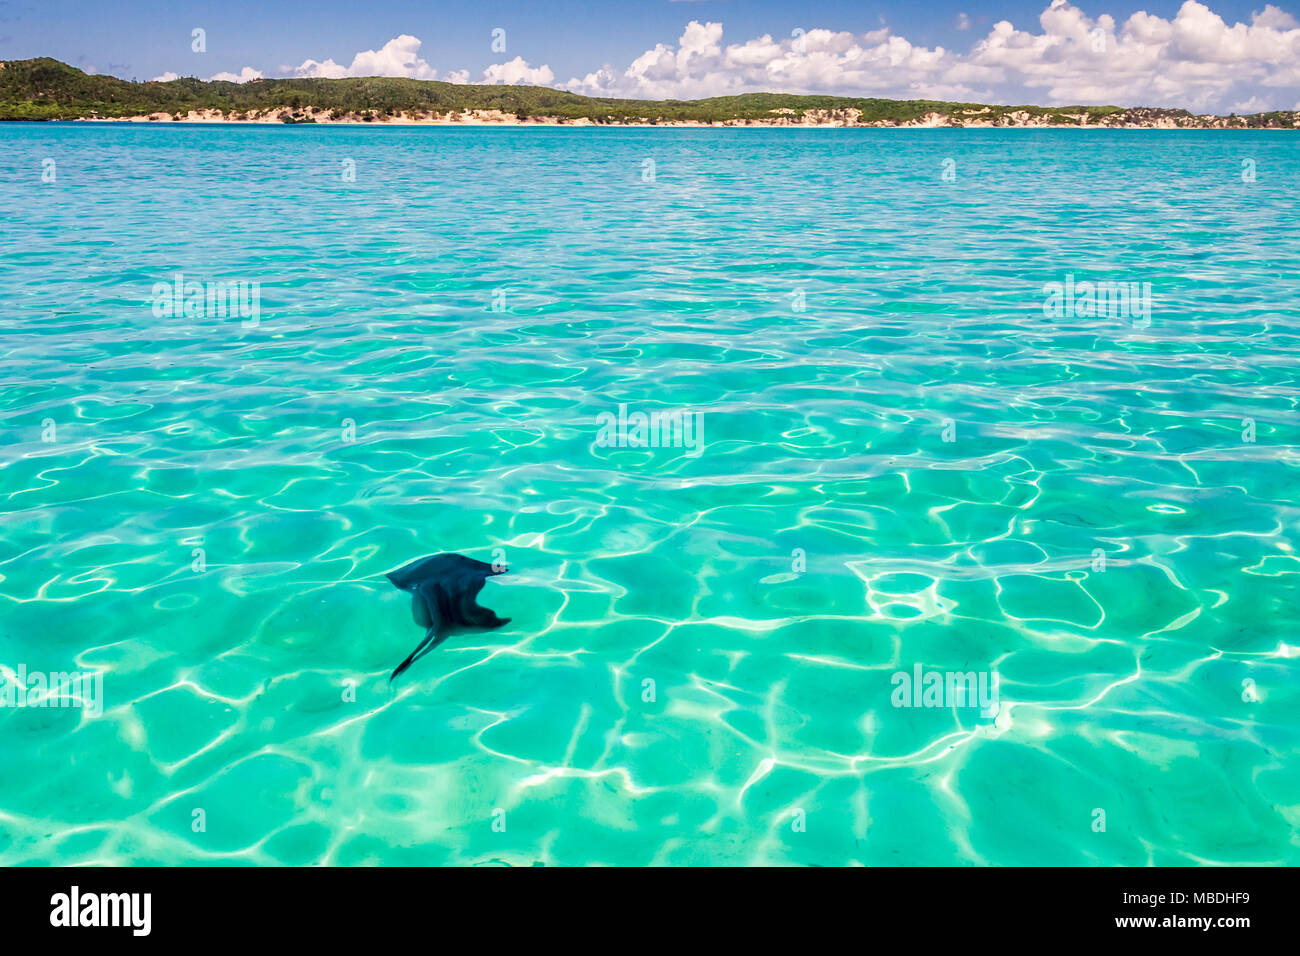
(771, 736)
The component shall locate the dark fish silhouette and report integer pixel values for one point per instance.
(443, 588)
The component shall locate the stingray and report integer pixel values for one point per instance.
(443, 588)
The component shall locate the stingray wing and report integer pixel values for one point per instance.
(468, 610)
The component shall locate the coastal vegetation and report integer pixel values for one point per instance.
(47, 89)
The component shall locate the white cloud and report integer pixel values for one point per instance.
(1252, 105)
(963, 22)
(1195, 60)
(243, 76)
(820, 61)
(400, 56)
(1275, 18)
(516, 72)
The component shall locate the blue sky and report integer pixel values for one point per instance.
(560, 41)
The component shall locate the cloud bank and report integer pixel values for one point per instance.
(399, 57)
(1195, 60)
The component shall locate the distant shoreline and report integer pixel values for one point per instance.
(286, 116)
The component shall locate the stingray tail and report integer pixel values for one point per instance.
(401, 667)
(429, 636)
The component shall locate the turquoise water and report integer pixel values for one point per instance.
(904, 461)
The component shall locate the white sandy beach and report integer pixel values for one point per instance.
(811, 119)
